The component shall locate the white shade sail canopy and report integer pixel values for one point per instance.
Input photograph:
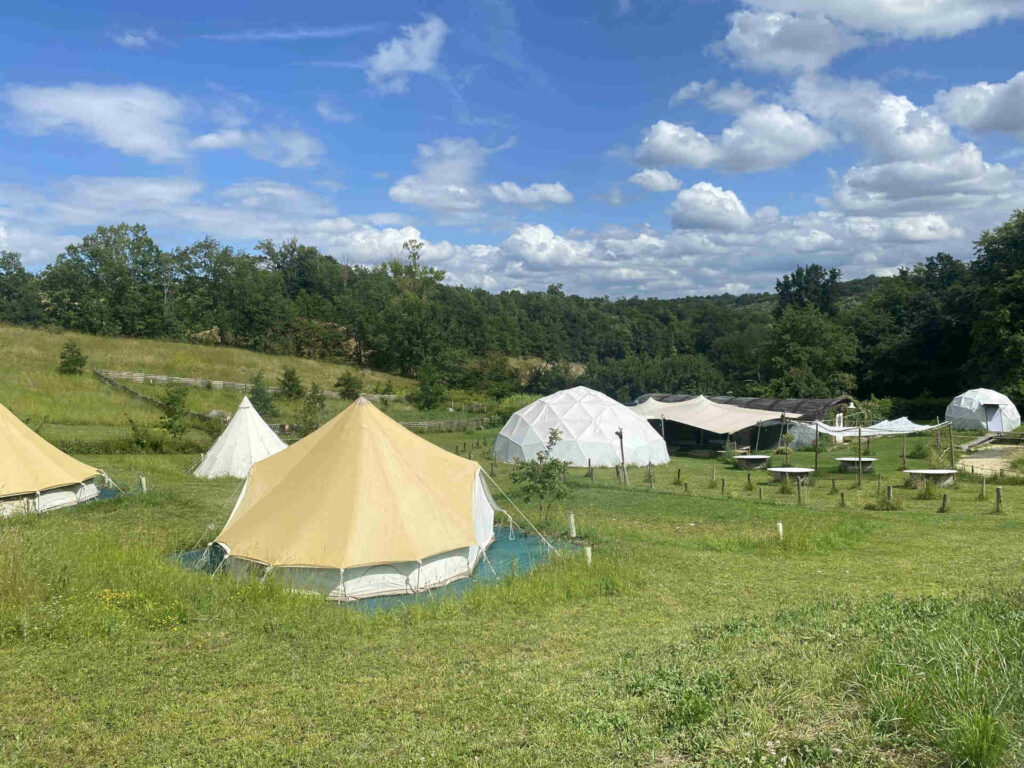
(708, 415)
(246, 440)
(983, 409)
(588, 422)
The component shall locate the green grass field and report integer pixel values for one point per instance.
(697, 637)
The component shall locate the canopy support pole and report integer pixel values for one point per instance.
(817, 435)
(859, 456)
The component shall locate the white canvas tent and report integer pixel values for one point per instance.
(983, 409)
(701, 413)
(361, 508)
(35, 476)
(246, 440)
(587, 421)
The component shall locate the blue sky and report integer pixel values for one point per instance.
(618, 147)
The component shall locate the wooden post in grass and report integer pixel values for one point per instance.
(833, 485)
(842, 499)
(622, 448)
(799, 490)
(572, 525)
(589, 553)
(888, 493)
(679, 476)
(650, 476)
(686, 487)
(982, 487)
(904, 451)
(142, 480)
(760, 493)
(945, 502)
(779, 525)
(859, 455)
(999, 499)
(817, 435)
(723, 486)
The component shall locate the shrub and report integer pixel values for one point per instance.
(349, 385)
(172, 401)
(261, 398)
(918, 450)
(508, 405)
(72, 359)
(542, 478)
(430, 391)
(290, 384)
(313, 407)
(884, 503)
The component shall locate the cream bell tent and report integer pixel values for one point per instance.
(246, 440)
(361, 508)
(587, 421)
(983, 409)
(35, 476)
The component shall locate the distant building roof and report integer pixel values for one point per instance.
(809, 408)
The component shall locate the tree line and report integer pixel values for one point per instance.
(935, 328)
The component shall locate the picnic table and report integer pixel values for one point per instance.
(849, 463)
(793, 473)
(934, 476)
(751, 460)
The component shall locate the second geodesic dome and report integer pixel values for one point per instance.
(983, 409)
(587, 421)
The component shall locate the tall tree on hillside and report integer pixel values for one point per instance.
(19, 291)
(807, 354)
(997, 352)
(810, 286)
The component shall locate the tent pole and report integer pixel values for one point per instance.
(817, 435)
(904, 450)
(757, 442)
(952, 454)
(858, 457)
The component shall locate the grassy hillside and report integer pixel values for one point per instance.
(863, 638)
(31, 387)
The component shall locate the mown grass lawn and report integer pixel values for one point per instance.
(696, 638)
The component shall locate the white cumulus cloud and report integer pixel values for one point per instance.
(985, 106)
(705, 206)
(535, 194)
(415, 52)
(283, 148)
(656, 180)
(447, 178)
(784, 42)
(136, 120)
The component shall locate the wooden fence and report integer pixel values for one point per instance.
(156, 378)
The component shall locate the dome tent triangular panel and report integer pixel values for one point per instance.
(246, 440)
(587, 421)
(36, 476)
(363, 508)
(983, 409)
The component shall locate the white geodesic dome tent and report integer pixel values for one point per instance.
(246, 440)
(587, 421)
(983, 409)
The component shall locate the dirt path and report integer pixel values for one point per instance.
(991, 460)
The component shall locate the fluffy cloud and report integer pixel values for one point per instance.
(283, 148)
(447, 176)
(784, 42)
(136, 38)
(656, 180)
(705, 206)
(136, 120)
(898, 18)
(761, 138)
(535, 194)
(415, 52)
(985, 106)
(733, 98)
(331, 112)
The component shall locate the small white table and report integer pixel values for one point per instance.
(849, 463)
(794, 473)
(751, 461)
(934, 476)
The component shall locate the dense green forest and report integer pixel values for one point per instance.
(933, 330)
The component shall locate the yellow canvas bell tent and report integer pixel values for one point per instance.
(34, 475)
(361, 508)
